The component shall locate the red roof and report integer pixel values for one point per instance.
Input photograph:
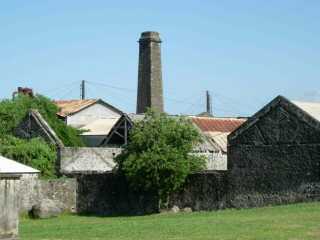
(212, 124)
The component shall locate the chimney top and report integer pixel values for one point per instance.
(150, 36)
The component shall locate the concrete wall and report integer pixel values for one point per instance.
(90, 114)
(33, 190)
(9, 188)
(83, 160)
(216, 161)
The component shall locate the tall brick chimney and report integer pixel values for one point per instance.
(150, 93)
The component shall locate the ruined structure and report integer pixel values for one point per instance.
(274, 157)
(150, 93)
(34, 125)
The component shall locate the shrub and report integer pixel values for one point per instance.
(13, 111)
(158, 157)
(35, 153)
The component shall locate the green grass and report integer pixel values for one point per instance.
(291, 222)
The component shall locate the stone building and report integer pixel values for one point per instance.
(277, 152)
(10, 174)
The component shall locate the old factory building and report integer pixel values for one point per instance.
(277, 149)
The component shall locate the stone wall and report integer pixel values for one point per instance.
(33, 190)
(9, 188)
(274, 158)
(110, 194)
(203, 191)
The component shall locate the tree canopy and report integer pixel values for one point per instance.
(158, 156)
(35, 152)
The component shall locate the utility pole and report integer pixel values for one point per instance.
(82, 90)
(209, 103)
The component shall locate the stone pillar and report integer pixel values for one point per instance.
(9, 206)
(150, 93)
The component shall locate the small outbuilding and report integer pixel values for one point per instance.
(10, 174)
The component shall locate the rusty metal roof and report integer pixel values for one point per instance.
(69, 107)
(213, 124)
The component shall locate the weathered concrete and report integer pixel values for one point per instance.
(46, 208)
(150, 92)
(9, 220)
(87, 160)
(33, 191)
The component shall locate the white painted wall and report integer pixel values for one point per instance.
(88, 115)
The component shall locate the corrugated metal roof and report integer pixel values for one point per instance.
(136, 117)
(220, 138)
(212, 124)
(100, 126)
(68, 107)
(312, 108)
(8, 166)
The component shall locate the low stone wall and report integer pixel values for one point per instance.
(303, 193)
(33, 190)
(203, 191)
(110, 194)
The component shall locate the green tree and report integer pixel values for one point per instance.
(158, 156)
(34, 152)
(13, 111)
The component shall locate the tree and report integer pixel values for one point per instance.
(34, 152)
(158, 156)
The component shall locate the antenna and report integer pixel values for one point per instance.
(82, 90)
(209, 103)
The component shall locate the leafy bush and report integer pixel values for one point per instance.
(35, 153)
(157, 156)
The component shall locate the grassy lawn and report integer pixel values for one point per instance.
(300, 221)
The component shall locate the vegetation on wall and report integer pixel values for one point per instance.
(35, 152)
(157, 157)
(13, 111)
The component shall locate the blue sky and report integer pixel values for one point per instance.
(244, 52)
